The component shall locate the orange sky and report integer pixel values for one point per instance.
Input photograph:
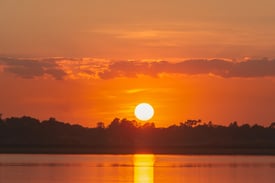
(88, 61)
(90, 90)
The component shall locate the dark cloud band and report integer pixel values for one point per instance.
(28, 68)
(218, 67)
(31, 68)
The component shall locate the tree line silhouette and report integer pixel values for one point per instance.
(29, 135)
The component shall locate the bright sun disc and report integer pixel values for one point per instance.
(144, 111)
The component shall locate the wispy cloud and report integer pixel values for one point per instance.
(29, 68)
(91, 68)
(218, 67)
(57, 67)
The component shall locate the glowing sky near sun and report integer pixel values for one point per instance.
(93, 60)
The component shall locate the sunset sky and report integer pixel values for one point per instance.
(85, 61)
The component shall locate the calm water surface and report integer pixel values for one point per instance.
(136, 168)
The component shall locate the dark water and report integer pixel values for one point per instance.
(136, 168)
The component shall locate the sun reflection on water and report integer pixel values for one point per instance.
(144, 168)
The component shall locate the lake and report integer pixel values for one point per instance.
(139, 168)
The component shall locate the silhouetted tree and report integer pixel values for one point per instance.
(128, 134)
(100, 125)
(190, 123)
(1, 121)
(124, 123)
(114, 124)
(256, 126)
(272, 125)
(245, 126)
(233, 124)
(148, 125)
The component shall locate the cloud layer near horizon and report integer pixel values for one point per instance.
(222, 68)
(31, 68)
(61, 68)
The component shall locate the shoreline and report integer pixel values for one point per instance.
(140, 150)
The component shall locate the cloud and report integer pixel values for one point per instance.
(92, 68)
(218, 67)
(31, 68)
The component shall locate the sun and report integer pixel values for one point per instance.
(144, 111)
